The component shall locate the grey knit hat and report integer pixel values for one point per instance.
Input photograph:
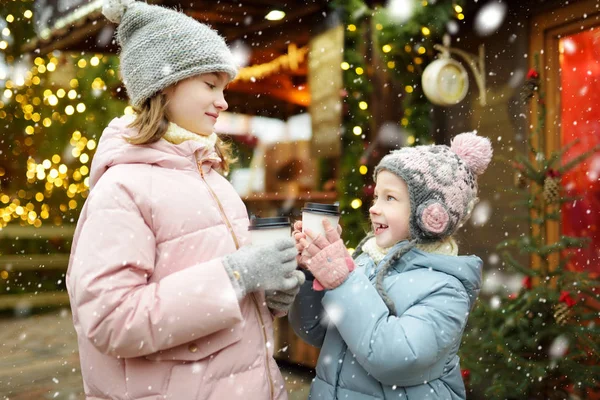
(160, 47)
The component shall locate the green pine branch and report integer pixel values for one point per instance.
(512, 262)
(558, 155)
(577, 160)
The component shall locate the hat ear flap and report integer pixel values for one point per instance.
(433, 218)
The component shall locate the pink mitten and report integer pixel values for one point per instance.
(330, 266)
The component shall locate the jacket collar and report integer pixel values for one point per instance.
(113, 149)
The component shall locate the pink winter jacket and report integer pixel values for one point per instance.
(155, 312)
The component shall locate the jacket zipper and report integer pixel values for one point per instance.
(254, 300)
(214, 196)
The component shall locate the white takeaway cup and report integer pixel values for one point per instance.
(313, 215)
(266, 230)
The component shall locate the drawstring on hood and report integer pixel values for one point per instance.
(446, 247)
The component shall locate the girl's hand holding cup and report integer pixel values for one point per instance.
(325, 256)
(299, 235)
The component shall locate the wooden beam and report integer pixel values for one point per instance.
(35, 262)
(74, 35)
(244, 9)
(266, 24)
(270, 3)
(31, 300)
(297, 97)
(213, 17)
(43, 232)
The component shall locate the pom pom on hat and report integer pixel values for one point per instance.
(113, 10)
(474, 150)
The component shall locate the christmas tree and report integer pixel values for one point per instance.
(542, 342)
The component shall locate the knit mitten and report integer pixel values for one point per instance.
(330, 266)
(280, 301)
(263, 267)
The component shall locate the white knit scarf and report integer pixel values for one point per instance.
(176, 135)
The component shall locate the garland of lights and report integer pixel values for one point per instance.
(405, 49)
(61, 99)
(39, 120)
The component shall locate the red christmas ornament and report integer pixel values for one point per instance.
(466, 374)
(369, 190)
(513, 296)
(527, 282)
(532, 74)
(566, 298)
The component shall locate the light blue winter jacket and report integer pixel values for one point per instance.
(368, 354)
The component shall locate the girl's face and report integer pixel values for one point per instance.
(390, 212)
(195, 103)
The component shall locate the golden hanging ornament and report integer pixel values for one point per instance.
(562, 313)
(551, 189)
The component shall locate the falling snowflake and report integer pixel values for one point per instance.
(452, 27)
(481, 213)
(489, 18)
(400, 11)
(167, 70)
(241, 53)
(495, 302)
(335, 313)
(559, 347)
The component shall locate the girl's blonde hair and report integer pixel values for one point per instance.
(152, 123)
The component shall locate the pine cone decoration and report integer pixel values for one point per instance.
(562, 310)
(562, 313)
(552, 187)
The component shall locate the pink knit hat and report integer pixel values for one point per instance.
(442, 182)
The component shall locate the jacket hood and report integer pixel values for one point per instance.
(113, 150)
(467, 269)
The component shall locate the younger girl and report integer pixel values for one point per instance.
(391, 328)
(168, 301)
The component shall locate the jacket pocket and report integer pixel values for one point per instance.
(200, 348)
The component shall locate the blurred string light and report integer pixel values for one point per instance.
(67, 175)
(275, 15)
(356, 203)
